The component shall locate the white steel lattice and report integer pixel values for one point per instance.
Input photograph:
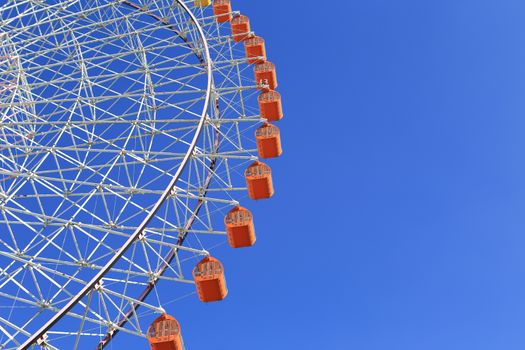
(122, 123)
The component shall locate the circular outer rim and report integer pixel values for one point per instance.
(95, 280)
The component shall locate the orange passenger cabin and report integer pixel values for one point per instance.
(270, 106)
(265, 76)
(259, 181)
(240, 28)
(164, 334)
(222, 10)
(255, 50)
(239, 227)
(268, 139)
(209, 280)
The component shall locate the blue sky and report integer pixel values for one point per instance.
(398, 221)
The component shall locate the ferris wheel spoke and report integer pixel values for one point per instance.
(93, 135)
(62, 288)
(59, 192)
(10, 336)
(178, 59)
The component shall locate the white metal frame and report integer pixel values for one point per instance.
(199, 190)
(139, 230)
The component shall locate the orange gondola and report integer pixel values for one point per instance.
(270, 106)
(259, 181)
(222, 9)
(164, 334)
(268, 139)
(255, 50)
(209, 280)
(239, 227)
(241, 29)
(265, 75)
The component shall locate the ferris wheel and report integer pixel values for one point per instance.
(131, 135)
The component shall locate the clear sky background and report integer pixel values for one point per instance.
(398, 221)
